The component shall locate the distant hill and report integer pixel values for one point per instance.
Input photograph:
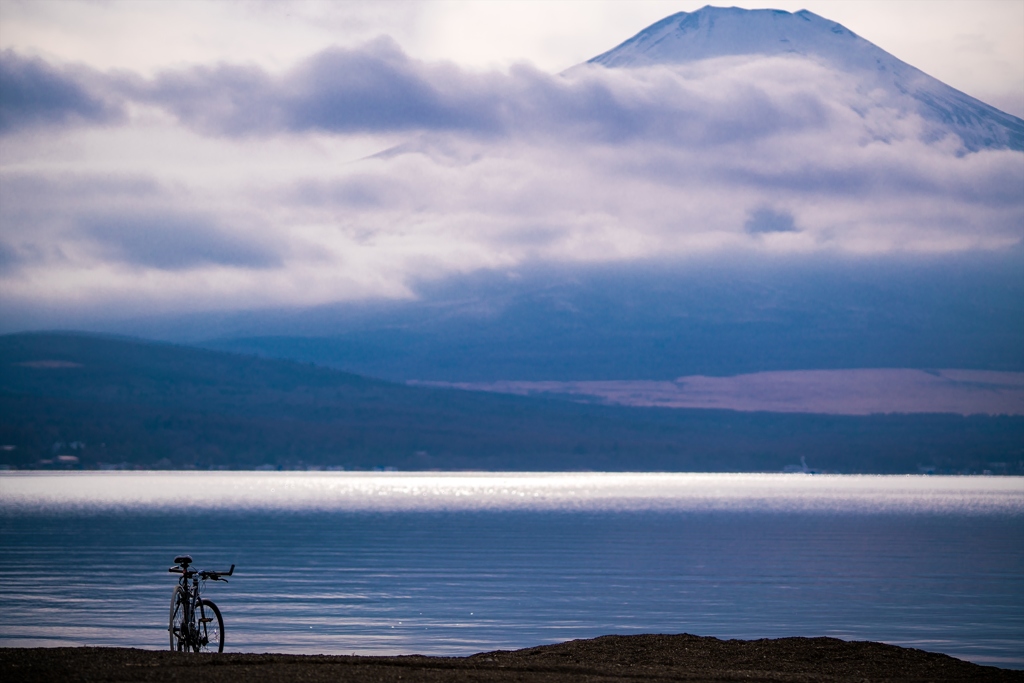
(73, 400)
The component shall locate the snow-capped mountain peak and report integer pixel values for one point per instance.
(720, 32)
(713, 32)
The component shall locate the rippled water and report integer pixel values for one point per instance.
(461, 563)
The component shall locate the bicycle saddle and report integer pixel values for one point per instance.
(183, 560)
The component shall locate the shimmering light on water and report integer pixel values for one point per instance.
(462, 563)
(354, 491)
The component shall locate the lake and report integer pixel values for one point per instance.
(457, 563)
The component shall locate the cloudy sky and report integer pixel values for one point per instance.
(187, 156)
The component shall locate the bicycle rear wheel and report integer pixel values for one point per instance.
(210, 626)
(176, 625)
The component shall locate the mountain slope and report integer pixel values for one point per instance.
(658, 322)
(714, 32)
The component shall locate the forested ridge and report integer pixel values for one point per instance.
(83, 401)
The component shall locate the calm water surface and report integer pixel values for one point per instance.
(463, 563)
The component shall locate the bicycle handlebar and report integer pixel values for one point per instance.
(188, 572)
(216, 576)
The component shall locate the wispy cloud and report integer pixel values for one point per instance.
(173, 241)
(34, 92)
(373, 88)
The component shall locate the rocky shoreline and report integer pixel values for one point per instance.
(605, 659)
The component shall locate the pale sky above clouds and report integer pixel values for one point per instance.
(974, 45)
(219, 155)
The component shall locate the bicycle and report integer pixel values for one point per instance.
(196, 624)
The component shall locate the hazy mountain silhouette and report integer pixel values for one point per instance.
(713, 316)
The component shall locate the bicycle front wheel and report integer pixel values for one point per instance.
(210, 627)
(176, 626)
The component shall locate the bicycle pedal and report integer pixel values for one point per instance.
(206, 620)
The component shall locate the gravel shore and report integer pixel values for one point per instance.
(605, 659)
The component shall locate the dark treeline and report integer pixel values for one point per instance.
(70, 400)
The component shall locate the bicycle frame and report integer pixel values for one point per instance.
(188, 598)
(192, 617)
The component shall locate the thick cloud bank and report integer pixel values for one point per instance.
(358, 173)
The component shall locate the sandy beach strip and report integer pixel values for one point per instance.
(605, 659)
